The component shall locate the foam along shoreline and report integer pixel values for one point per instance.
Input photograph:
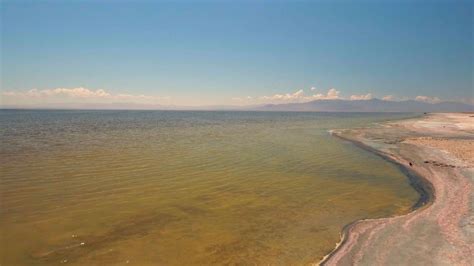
(436, 153)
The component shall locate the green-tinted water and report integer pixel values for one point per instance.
(180, 188)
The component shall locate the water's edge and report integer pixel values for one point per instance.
(420, 183)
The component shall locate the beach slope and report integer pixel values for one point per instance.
(438, 149)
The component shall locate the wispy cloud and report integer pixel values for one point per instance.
(296, 96)
(293, 97)
(99, 97)
(300, 96)
(332, 94)
(388, 98)
(75, 95)
(367, 96)
(427, 99)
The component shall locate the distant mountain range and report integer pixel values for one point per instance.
(373, 105)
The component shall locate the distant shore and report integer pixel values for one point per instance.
(436, 151)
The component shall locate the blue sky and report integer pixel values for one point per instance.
(221, 52)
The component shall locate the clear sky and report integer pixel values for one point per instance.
(235, 52)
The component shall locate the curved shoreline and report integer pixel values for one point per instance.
(421, 184)
(437, 223)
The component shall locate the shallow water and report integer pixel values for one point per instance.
(180, 188)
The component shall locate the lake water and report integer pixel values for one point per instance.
(185, 188)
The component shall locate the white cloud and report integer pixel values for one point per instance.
(388, 98)
(297, 96)
(74, 95)
(332, 94)
(74, 92)
(367, 96)
(427, 99)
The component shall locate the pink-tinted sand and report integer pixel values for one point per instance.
(438, 148)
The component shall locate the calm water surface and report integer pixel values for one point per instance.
(181, 188)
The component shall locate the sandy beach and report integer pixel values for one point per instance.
(438, 151)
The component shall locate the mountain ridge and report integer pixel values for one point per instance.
(372, 105)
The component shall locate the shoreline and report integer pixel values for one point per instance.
(418, 182)
(422, 185)
(359, 238)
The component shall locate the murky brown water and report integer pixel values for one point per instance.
(181, 188)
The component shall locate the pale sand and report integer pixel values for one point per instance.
(439, 149)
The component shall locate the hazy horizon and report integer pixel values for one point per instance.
(373, 105)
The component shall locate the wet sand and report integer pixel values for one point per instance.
(438, 150)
